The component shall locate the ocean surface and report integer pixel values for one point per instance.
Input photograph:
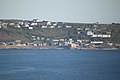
(59, 64)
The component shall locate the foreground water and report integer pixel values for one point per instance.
(59, 65)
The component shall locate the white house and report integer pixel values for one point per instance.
(33, 24)
(18, 41)
(42, 38)
(48, 23)
(34, 44)
(36, 20)
(55, 24)
(61, 40)
(102, 36)
(78, 29)
(107, 36)
(52, 27)
(97, 42)
(18, 26)
(0, 26)
(55, 40)
(44, 44)
(78, 32)
(66, 43)
(68, 26)
(30, 27)
(59, 26)
(110, 44)
(44, 26)
(38, 38)
(90, 33)
(48, 39)
(26, 25)
(99, 35)
(79, 41)
(21, 23)
(11, 24)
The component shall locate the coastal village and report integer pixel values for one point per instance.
(36, 34)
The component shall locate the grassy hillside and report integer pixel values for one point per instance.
(24, 34)
(115, 29)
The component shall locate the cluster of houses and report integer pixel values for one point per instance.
(32, 24)
(90, 36)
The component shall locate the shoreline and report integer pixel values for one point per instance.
(58, 48)
(54, 47)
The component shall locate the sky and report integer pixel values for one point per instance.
(86, 11)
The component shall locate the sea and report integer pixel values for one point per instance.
(36, 64)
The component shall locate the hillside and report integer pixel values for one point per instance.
(11, 33)
(30, 31)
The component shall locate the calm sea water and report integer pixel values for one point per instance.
(59, 65)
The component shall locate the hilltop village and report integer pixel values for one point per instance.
(36, 34)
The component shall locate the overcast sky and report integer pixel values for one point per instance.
(103, 11)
